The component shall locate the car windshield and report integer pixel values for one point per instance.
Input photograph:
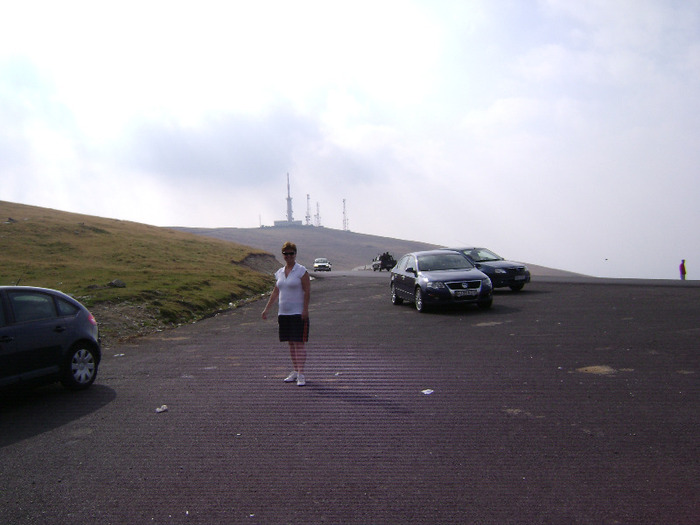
(443, 261)
(321, 260)
(483, 255)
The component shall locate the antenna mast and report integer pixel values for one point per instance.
(318, 215)
(308, 210)
(345, 218)
(290, 217)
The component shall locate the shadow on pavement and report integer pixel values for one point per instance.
(357, 398)
(27, 413)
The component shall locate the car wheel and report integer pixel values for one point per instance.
(485, 305)
(395, 299)
(420, 305)
(80, 368)
(517, 287)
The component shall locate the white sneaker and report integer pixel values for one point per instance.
(301, 380)
(291, 377)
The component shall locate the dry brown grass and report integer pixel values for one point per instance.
(174, 277)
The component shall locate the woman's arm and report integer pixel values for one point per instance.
(306, 287)
(273, 298)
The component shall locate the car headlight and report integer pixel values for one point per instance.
(486, 284)
(500, 270)
(435, 285)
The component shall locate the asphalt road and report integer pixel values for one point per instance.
(565, 403)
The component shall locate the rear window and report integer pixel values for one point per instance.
(32, 306)
(401, 265)
(66, 309)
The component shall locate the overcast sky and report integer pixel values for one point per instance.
(564, 133)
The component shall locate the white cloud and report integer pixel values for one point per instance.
(559, 132)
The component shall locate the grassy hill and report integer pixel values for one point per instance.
(169, 277)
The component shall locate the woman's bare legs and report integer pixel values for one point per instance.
(297, 352)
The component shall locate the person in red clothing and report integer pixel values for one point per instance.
(682, 268)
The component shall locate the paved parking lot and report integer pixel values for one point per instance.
(566, 403)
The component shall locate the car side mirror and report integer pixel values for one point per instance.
(410, 270)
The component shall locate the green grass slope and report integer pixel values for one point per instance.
(170, 277)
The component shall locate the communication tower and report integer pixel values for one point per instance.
(308, 210)
(345, 218)
(290, 216)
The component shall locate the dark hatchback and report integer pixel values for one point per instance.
(46, 336)
(502, 273)
(439, 277)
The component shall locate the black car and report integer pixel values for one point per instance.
(439, 277)
(384, 261)
(46, 336)
(502, 273)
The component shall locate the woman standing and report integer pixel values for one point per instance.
(293, 290)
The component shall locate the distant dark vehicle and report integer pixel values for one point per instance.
(384, 261)
(501, 272)
(322, 265)
(439, 277)
(46, 336)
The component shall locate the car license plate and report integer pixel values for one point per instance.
(466, 293)
(519, 277)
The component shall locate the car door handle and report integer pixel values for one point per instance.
(59, 329)
(6, 339)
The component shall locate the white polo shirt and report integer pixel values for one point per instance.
(291, 299)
